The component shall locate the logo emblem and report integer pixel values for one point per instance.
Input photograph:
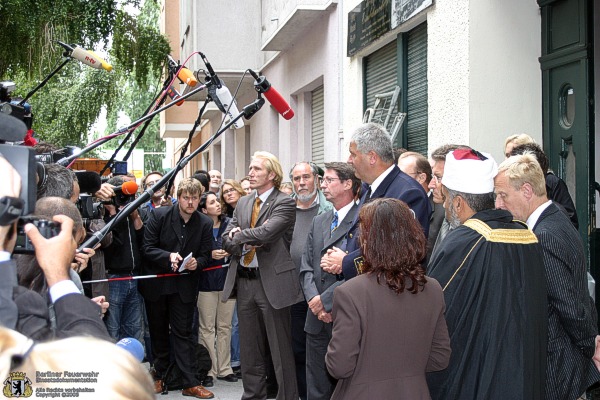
(17, 385)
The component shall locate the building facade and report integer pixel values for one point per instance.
(467, 71)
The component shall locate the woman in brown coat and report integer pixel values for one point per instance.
(388, 323)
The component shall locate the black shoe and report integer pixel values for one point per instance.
(237, 371)
(228, 378)
(208, 382)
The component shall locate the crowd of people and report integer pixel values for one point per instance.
(387, 276)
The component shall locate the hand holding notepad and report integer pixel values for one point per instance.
(184, 263)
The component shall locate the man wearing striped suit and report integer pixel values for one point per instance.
(572, 329)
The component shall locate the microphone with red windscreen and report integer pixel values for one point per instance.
(262, 85)
(128, 188)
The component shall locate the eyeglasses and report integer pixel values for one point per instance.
(150, 184)
(228, 191)
(327, 180)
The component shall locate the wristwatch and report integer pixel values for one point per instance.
(10, 209)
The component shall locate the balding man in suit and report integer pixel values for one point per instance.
(265, 277)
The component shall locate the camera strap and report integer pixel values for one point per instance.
(10, 209)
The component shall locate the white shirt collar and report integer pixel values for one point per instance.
(533, 218)
(263, 197)
(380, 178)
(342, 212)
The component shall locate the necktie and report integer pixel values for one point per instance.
(255, 210)
(368, 195)
(334, 222)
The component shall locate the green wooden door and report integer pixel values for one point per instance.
(567, 99)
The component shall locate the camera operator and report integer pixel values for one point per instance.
(26, 311)
(122, 259)
(58, 181)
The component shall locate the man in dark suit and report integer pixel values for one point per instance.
(174, 233)
(372, 155)
(417, 167)
(521, 189)
(264, 275)
(328, 230)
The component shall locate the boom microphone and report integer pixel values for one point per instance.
(133, 347)
(263, 86)
(129, 188)
(90, 58)
(225, 102)
(87, 57)
(89, 181)
(185, 75)
(174, 95)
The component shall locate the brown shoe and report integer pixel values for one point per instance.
(198, 392)
(158, 386)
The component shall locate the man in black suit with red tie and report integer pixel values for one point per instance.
(174, 233)
(520, 188)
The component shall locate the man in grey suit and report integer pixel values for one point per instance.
(520, 188)
(258, 239)
(328, 230)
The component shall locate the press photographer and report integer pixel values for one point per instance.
(123, 259)
(24, 310)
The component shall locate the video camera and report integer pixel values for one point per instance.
(23, 160)
(12, 107)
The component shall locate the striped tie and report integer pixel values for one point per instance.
(334, 222)
(255, 210)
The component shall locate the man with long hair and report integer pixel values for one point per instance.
(258, 239)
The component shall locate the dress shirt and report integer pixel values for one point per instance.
(380, 179)
(533, 218)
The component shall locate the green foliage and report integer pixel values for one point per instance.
(66, 108)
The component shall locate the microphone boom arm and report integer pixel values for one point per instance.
(147, 194)
(67, 160)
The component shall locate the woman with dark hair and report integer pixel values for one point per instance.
(231, 192)
(214, 315)
(388, 323)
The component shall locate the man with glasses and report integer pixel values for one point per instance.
(417, 167)
(438, 161)
(310, 202)
(158, 198)
(174, 233)
(327, 230)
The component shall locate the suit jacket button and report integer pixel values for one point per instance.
(350, 236)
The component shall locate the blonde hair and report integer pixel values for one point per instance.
(115, 374)
(190, 185)
(272, 165)
(524, 168)
(520, 139)
(236, 186)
